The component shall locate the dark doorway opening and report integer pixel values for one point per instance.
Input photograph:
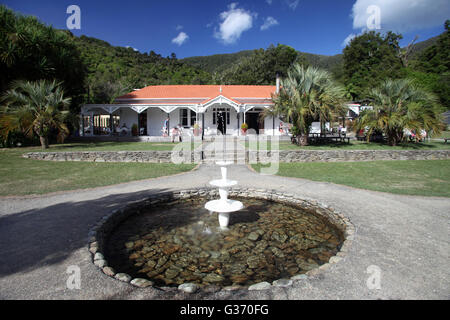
(143, 124)
(254, 121)
(222, 122)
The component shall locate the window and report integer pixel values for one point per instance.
(116, 121)
(193, 117)
(184, 117)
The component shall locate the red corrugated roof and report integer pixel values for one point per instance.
(203, 93)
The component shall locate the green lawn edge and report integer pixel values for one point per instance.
(406, 177)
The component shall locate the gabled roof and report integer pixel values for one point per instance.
(199, 94)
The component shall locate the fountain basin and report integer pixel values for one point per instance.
(173, 235)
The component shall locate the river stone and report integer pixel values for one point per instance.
(232, 288)
(253, 262)
(100, 263)
(188, 287)
(142, 283)
(261, 246)
(253, 236)
(277, 252)
(260, 286)
(211, 289)
(239, 278)
(161, 261)
(213, 277)
(123, 277)
(305, 265)
(109, 271)
(335, 259)
(282, 283)
(214, 254)
(279, 236)
(151, 264)
(99, 256)
(171, 273)
(299, 277)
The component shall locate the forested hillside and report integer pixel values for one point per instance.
(216, 62)
(112, 71)
(220, 62)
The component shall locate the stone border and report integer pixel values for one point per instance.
(154, 156)
(347, 155)
(106, 224)
(262, 156)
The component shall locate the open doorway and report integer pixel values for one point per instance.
(221, 118)
(254, 121)
(143, 123)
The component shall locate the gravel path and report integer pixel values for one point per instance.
(406, 237)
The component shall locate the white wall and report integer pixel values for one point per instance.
(156, 118)
(155, 121)
(128, 117)
(268, 124)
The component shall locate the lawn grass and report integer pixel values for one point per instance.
(444, 135)
(411, 177)
(355, 145)
(20, 176)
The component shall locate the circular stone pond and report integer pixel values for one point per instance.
(173, 240)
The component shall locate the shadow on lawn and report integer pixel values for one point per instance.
(46, 236)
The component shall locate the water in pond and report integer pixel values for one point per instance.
(180, 242)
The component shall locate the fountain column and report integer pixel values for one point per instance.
(223, 206)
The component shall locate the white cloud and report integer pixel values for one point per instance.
(233, 23)
(269, 1)
(292, 4)
(132, 48)
(269, 22)
(178, 27)
(348, 39)
(402, 15)
(180, 38)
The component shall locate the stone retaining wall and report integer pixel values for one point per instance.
(349, 155)
(250, 156)
(109, 156)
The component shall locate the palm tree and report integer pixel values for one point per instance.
(34, 107)
(399, 105)
(308, 94)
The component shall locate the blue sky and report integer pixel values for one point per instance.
(205, 27)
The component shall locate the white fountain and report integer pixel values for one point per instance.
(223, 206)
